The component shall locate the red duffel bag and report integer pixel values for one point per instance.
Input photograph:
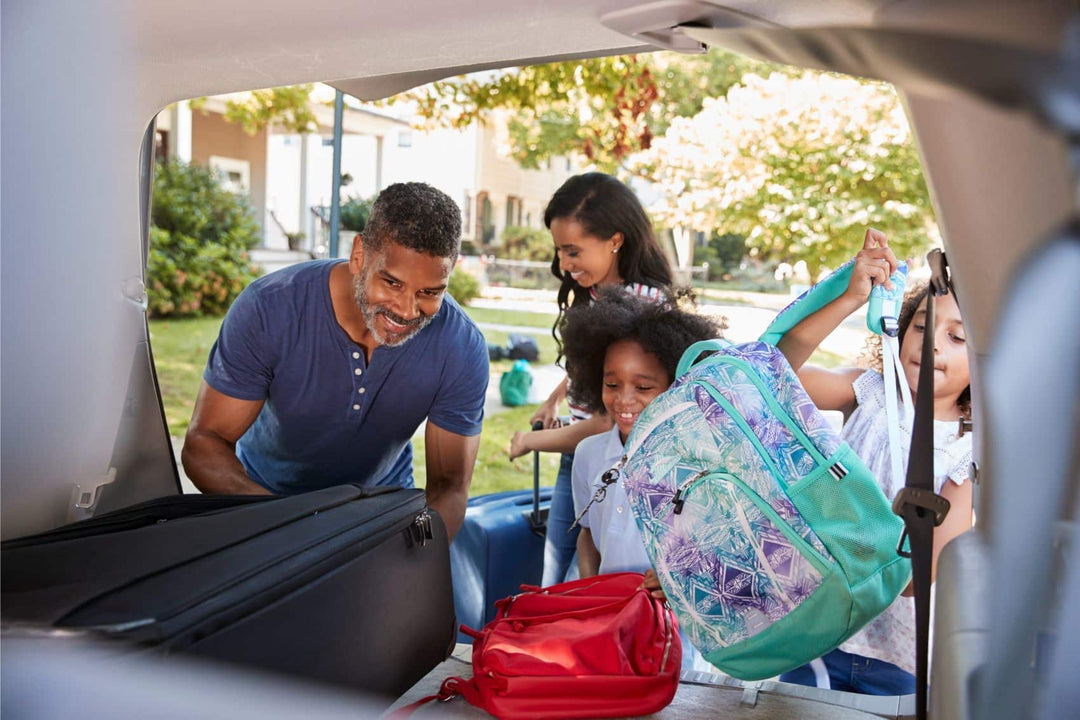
(600, 647)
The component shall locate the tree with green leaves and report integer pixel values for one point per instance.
(259, 109)
(604, 109)
(800, 165)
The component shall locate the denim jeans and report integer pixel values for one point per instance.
(856, 673)
(560, 545)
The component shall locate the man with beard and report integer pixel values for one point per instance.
(322, 372)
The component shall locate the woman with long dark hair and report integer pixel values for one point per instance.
(603, 237)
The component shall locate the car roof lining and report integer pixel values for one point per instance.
(383, 86)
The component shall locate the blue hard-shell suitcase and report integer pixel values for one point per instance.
(499, 548)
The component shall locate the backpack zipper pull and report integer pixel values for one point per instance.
(677, 500)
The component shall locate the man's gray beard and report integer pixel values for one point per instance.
(371, 314)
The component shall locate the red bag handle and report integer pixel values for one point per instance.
(451, 688)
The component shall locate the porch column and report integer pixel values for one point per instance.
(303, 218)
(683, 251)
(378, 162)
(180, 134)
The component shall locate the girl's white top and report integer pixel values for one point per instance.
(614, 530)
(891, 635)
(611, 521)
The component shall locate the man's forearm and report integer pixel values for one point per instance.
(211, 464)
(450, 504)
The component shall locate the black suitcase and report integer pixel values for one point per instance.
(345, 585)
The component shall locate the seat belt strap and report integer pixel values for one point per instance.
(917, 503)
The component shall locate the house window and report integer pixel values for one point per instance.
(513, 211)
(404, 139)
(235, 174)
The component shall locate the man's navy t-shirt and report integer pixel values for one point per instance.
(330, 417)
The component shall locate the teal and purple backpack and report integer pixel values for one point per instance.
(771, 538)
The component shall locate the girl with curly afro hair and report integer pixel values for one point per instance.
(621, 352)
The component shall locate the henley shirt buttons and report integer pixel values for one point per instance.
(361, 391)
(355, 407)
(357, 371)
(356, 356)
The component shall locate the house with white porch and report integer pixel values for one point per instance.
(287, 177)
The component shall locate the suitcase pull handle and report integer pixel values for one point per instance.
(537, 522)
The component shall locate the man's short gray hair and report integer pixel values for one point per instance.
(417, 216)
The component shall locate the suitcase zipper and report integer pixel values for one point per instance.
(420, 530)
(254, 572)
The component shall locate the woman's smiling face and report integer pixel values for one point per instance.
(587, 259)
(632, 379)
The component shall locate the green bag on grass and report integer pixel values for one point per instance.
(514, 384)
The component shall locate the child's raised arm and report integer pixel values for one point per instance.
(831, 390)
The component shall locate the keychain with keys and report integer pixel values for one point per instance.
(606, 480)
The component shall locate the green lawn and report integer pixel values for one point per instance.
(494, 472)
(513, 317)
(180, 349)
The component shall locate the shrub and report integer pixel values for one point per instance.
(463, 287)
(723, 253)
(355, 213)
(523, 243)
(199, 243)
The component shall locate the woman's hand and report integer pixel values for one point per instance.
(874, 264)
(519, 444)
(547, 415)
(652, 584)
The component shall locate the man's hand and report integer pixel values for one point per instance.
(450, 459)
(209, 454)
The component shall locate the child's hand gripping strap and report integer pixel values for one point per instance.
(886, 303)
